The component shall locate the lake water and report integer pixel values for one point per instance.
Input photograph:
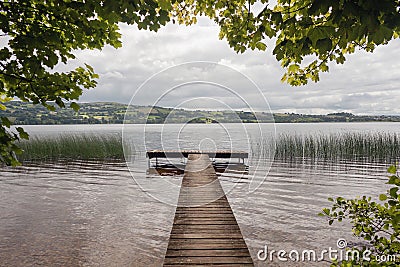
(110, 214)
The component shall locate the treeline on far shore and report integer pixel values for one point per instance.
(21, 113)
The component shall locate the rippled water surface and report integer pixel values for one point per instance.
(94, 214)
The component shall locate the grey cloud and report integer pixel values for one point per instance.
(367, 83)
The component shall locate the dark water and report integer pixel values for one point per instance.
(94, 214)
(79, 214)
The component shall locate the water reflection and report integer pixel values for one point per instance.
(93, 214)
(79, 214)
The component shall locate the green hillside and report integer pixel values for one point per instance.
(22, 113)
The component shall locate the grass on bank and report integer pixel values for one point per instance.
(84, 147)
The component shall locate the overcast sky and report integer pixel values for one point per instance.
(368, 83)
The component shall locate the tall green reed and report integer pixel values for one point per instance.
(73, 146)
(358, 146)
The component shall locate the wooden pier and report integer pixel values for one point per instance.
(184, 154)
(224, 154)
(205, 231)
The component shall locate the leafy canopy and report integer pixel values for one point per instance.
(38, 35)
(309, 33)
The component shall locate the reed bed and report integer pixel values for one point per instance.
(83, 147)
(354, 146)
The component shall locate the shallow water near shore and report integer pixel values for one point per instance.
(92, 213)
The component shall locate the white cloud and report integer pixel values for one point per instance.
(366, 83)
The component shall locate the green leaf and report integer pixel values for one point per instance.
(22, 133)
(378, 37)
(324, 68)
(293, 68)
(261, 46)
(164, 4)
(316, 34)
(6, 122)
(75, 106)
(324, 45)
(326, 211)
(392, 169)
(53, 59)
(382, 197)
(90, 68)
(394, 180)
(60, 103)
(393, 192)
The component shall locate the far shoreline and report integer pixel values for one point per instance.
(178, 123)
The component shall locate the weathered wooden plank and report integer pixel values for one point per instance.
(208, 260)
(204, 221)
(206, 244)
(211, 211)
(241, 252)
(206, 227)
(207, 207)
(213, 246)
(207, 235)
(204, 208)
(204, 215)
(219, 265)
(205, 231)
(207, 241)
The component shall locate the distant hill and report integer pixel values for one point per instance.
(22, 113)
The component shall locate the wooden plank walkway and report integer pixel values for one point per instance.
(205, 231)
